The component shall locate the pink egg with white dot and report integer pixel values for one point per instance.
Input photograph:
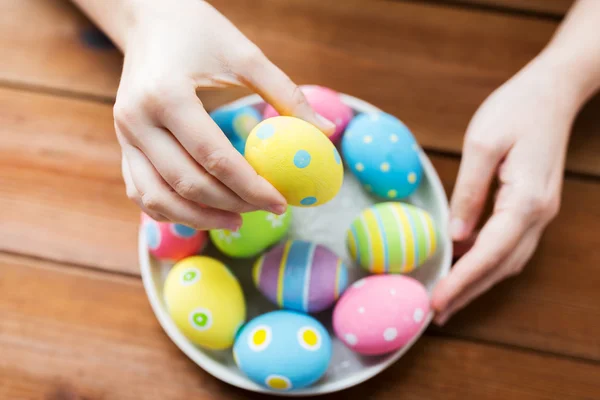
(172, 242)
(325, 102)
(380, 314)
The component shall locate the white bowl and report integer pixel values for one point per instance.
(326, 225)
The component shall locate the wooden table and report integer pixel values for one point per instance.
(74, 320)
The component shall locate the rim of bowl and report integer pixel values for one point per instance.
(222, 372)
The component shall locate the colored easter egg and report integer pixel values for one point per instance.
(383, 155)
(172, 242)
(301, 276)
(283, 350)
(259, 230)
(236, 123)
(325, 102)
(392, 237)
(205, 301)
(297, 159)
(381, 313)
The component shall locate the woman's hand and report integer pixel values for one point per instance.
(519, 136)
(177, 164)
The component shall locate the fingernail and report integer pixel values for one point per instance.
(233, 226)
(457, 229)
(327, 124)
(441, 320)
(277, 209)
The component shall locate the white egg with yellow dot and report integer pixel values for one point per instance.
(283, 350)
(383, 155)
(205, 301)
(297, 159)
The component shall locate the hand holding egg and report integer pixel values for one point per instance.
(288, 349)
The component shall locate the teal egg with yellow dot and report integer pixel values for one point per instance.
(236, 123)
(383, 154)
(283, 350)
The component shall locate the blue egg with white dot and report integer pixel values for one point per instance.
(383, 154)
(283, 350)
(236, 123)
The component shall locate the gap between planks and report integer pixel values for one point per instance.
(494, 8)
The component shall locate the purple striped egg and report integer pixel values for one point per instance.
(301, 276)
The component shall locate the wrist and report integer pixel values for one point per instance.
(575, 76)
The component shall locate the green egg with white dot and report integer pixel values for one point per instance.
(259, 230)
(383, 155)
(205, 301)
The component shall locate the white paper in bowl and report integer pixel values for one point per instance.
(327, 225)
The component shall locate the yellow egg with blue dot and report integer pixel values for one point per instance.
(297, 159)
(205, 301)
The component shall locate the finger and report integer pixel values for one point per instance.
(133, 194)
(205, 142)
(512, 265)
(185, 176)
(462, 247)
(477, 168)
(285, 96)
(497, 240)
(157, 197)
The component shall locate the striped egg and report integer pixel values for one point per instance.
(301, 276)
(392, 237)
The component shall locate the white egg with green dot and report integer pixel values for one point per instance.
(383, 155)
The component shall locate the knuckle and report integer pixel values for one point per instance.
(158, 98)
(187, 187)
(541, 205)
(126, 114)
(469, 194)
(249, 59)
(480, 145)
(297, 97)
(217, 163)
(151, 201)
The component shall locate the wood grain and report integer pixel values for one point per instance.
(41, 46)
(67, 333)
(62, 198)
(428, 64)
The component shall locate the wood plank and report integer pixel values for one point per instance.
(556, 7)
(61, 197)
(95, 337)
(41, 46)
(62, 192)
(429, 65)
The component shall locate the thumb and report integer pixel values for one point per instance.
(477, 169)
(273, 85)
